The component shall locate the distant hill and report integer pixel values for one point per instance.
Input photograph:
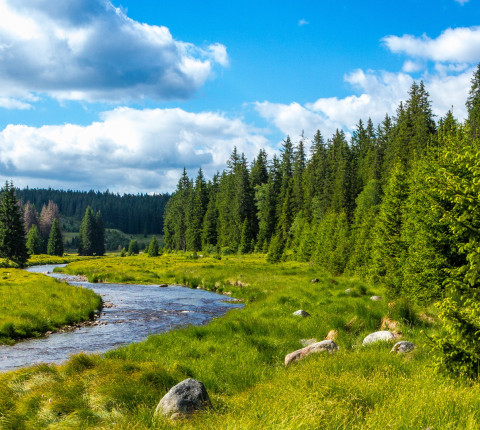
(130, 213)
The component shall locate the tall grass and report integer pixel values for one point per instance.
(239, 358)
(32, 304)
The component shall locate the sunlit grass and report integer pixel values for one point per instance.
(240, 356)
(32, 304)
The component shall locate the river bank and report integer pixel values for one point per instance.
(130, 313)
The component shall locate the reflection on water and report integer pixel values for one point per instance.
(132, 312)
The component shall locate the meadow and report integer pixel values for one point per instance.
(240, 359)
(32, 304)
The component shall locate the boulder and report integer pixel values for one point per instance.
(376, 298)
(314, 281)
(323, 346)
(163, 285)
(403, 347)
(184, 398)
(307, 342)
(379, 336)
(301, 313)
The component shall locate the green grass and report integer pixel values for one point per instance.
(240, 357)
(32, 304)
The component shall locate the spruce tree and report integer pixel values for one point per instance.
(133, 247)
(99, 235)
(473, 104)
(86, 239)
(55, 240)
(153, 248)
(34, 241)
(12, 230)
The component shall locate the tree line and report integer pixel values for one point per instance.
(397, 204)
(132, 214)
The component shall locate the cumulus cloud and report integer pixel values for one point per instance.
(303, 22)
(90, 50)
(129, 150)
(378, 93)
(455, 45)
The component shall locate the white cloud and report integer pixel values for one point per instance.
(462, 2)
(454, 45)
(379, 93)
(303, 22)
(90, 50)
(129, 150)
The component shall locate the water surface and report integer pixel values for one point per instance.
(131, 313)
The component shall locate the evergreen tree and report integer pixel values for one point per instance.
(55, 240)
(195, 217)
(99, 235)
(153, 248)
(34, 241)
(389, 246)
(12, 230)
(473, 104)
(209, 229)
(133, 248)
(86, 238)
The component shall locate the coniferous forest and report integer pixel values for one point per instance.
(397, 204)
(130, 213)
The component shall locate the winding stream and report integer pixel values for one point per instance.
(131, 313)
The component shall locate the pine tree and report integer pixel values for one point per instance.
(86, 239)
(99, 235)
(195, 217)
(34, 241)
(153, 248)
(133, 247)
(473, 104)
(389, 246)
(12, 230)
(55, 240)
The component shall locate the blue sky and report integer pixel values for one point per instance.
(122, 94)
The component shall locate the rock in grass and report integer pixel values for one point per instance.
(184, 398)
(314, 281)
(348, 291)
(301, 313)
(323, 346)
(403, 347)
(376, 298)
(379, 336)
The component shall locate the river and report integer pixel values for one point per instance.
(132, 312)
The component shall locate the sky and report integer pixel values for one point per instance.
(123, 94)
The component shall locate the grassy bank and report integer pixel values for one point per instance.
(240, 357)
(32, 304)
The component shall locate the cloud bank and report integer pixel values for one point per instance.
(130, 150)
(91, 51)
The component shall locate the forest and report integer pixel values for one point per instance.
(397, 205)
(132, 214)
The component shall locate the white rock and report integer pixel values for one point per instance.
(379, 336)
(376, 298)
(301, 313)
